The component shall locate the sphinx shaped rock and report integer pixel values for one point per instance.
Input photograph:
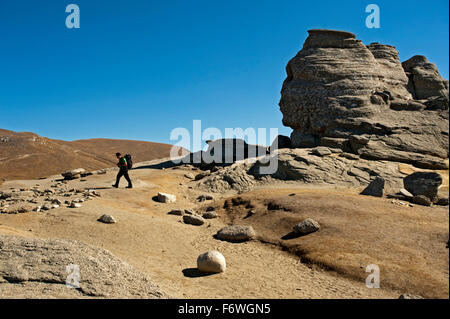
(342, 93)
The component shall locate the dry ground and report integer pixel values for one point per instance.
(407, 243)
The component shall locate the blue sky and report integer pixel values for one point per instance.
(138, 69)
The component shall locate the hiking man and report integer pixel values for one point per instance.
(123, 171)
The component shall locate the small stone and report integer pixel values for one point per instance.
(408, 296)
(166, 198)
(46, 207)
(211, 262)
(189, 176)
(443, 201)
(422, 200)
(307, 226)
(75, 205)
(107, 219)
(193, 220)
(236, 233)
(210, 215)
(406, 194)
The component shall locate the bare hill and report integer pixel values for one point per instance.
(27, 155)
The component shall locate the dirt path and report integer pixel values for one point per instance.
(166, 249)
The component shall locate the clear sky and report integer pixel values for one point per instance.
(138, 69)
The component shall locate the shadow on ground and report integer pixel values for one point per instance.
(194, 273)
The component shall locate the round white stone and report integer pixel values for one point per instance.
(211, 262)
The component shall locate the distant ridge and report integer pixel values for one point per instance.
(25, 155)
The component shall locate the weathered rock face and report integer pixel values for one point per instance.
(424, 79)
(36, 268)
(342, 93)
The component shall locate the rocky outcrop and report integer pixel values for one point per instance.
(361, 99)
(424, 79)
(36, 268)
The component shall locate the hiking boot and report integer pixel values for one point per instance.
(115, 186)
(129, 186)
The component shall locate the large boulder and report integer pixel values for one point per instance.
(236, 233)
(424, 79)
(375, 188)
(211, 262)
(280, 141)
(423, 183)
(193, 219)
(342, 93)
(37, 268)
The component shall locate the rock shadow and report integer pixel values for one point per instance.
(194, 273)
(292, 235)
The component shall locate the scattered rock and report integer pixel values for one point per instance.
(236, 233)
(209, 215)
(203, 198)
(189, 176)
(211, 262)
(166, 198)
(202, 175)
(423, 183)
(193, 220)
(75, 205)
(375, 188)
(176, 212)
(250, 214)
(407, 195)
(307, 226)
(422, 200)
(107, 219)
(408, 296)
(400, 203)
(73, 174)
(443, 201)
(46, 207)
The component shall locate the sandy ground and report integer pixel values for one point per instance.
(166, 249)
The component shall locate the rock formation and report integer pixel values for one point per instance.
(343, 94)
(31, 268)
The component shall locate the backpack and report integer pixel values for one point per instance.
(129, 161)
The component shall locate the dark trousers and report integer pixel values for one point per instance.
(123, 172)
